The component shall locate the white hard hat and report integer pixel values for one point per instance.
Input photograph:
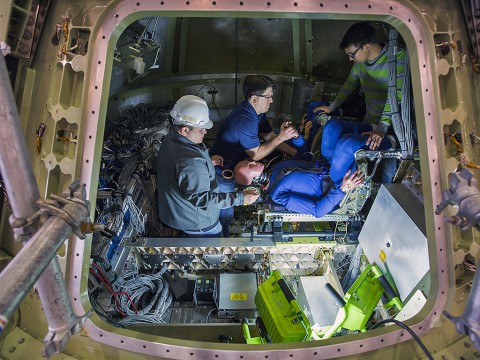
(193, 111)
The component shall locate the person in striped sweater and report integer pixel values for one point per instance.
(370, 73)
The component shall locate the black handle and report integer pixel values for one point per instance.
(388, 288)
(262, 330)
(286, 290)
(335, 294)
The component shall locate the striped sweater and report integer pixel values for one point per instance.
(372, 77)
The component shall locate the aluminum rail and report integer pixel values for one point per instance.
(40, 252)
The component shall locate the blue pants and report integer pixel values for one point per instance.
(225, 186)
(341, 139)
(214, 232)
(303, 192)
(277, 169)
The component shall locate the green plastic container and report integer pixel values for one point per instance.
(280, 312)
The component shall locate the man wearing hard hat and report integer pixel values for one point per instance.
(188, 195)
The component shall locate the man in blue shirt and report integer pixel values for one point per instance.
(241, 132)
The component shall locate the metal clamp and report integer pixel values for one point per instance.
(364, 155)
(23, 228)
(467, 323)
(52, 208)
(75, 195)
(57, 340)
(277, 224)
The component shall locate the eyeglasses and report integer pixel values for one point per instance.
(269, 97)
(352, 54)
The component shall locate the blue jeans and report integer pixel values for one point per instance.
(389, 170)
(225, 186)
(341, 139)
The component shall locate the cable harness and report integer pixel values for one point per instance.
(137, 298)
(401, 119)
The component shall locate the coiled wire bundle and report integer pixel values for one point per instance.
(136, 298)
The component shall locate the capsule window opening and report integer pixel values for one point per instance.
(353, 253)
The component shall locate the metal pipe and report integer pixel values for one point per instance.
(40, 252)
(15, 165)
(52, 276)
(26, 267)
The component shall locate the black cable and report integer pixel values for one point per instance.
(410, 331)
(201, 88)
(212, 92)
(94, 302)
(218, 111)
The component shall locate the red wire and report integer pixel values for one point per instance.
(99, 269)
(111, 290)
(117, 304)
(131, 302)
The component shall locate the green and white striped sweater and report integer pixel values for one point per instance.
(372, 77)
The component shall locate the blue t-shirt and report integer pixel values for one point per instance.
(239, 132)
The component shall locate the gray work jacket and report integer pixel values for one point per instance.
(188, 193)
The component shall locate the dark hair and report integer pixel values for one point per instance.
(359, 33)
(256, 85)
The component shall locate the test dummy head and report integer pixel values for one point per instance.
(248, 172)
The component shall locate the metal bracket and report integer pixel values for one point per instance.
(464, 193)
(155, 260)
(213, 259)
(243, 259)
(184, 260)
(56, 341)
(277, 226)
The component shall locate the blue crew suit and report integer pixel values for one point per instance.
(341, 139)
(303, 191)
(307, 192)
